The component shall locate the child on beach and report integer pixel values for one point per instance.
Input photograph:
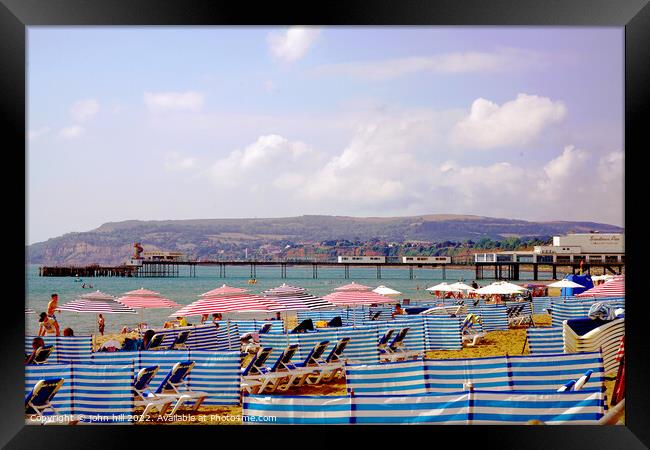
(52, 308)
(100, 324)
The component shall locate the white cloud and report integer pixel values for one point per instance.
(176, 162)
(447, 63)
(173, 101)
(84, 110)
(517, 122)
(71, 132)
(33, 135)
(292, 44)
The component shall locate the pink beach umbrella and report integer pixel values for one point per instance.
(612, 288)
(351, 298)
(224, 290)
(229, 303)
(295, 298)
(145, 299)
(98, 303)
(353, 287)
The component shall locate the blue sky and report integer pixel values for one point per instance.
(208, 122)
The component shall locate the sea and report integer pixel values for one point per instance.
(185, 289)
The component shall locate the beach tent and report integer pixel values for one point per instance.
(295, 298)
(583, 280)
(97, 302)
(383, 290)
(612, 288)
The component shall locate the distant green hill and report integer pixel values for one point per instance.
(112, 242)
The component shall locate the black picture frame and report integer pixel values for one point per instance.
(634, 15)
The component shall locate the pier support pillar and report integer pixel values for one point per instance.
(444, 273)
(535, 272)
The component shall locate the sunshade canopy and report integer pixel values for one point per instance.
(353, 287)
(228, 303)
(348, 298)
(97, 302)
(500, 288)
(612, 288)
(565, 284)
(145, 299)
(224, 290)
(295, 298)
(383, 290)
(443, 287)
(461, 286)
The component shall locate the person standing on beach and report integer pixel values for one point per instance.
(100, 324)
(51, 309)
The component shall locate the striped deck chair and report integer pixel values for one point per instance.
(265, 328)
(383, 341)
(144, 398)
(300, 372)
(180, 343)
(39, 399)
(174, 386)
(470, 335)
(42, 354)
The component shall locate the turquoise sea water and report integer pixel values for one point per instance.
(185, 290)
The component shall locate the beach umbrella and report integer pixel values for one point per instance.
(500, 288)
(353, 287)
(612, 288)
(295, 298)
(224, 290)
(443, 287)
(462, 286)
(145, 299)
(229, 303)
(351, 298)
(97, 302)
(565, 284)
(383, 290)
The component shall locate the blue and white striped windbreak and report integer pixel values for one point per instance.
(498, 373)
(443, 333)
(541, 304)
(545, 340)
(66, 348)
(575, 308)
(476, 407)
(400, 377)
(94, 392)
(202, 337)
(215, 372)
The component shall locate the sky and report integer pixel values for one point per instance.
(155, 123)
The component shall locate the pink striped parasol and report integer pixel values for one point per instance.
(229, 303)
(144, 298)
(612, 288)
(295, 298)
(224, 290)
(97, 302)
(349, 298)
(353, 287)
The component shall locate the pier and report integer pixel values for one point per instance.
(165, 269)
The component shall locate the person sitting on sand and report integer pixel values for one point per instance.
(46, 325)
(51, 309)
(398, 311)
(68, 332)
(216, 317)
(204, 318)
(37, 343)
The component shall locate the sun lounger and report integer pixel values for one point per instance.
(180, 343)
(144, 398)
(254, 369)
(395, 351)
(42, 354)
(332, 365)
(583, 380)
(265, 328)
(156, 342)
(175, 387)
(567, 386)
(383, 341)
(469, 334)
(39, 399)
(301, 371)
(271, 377)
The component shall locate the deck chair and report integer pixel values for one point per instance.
(582, 380)
(395, 351)
(335, 322)
(376, 316)
(300, 372)
(180, 343)
(469, 334)
(304, 326)
(144, 398)
(39, 399)
(42, 354)
(383, 341)
(156, 342)
(265, 328)
(332, 366)
(175, 387)
(272, 376)
(254, 369)
(567, 386)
